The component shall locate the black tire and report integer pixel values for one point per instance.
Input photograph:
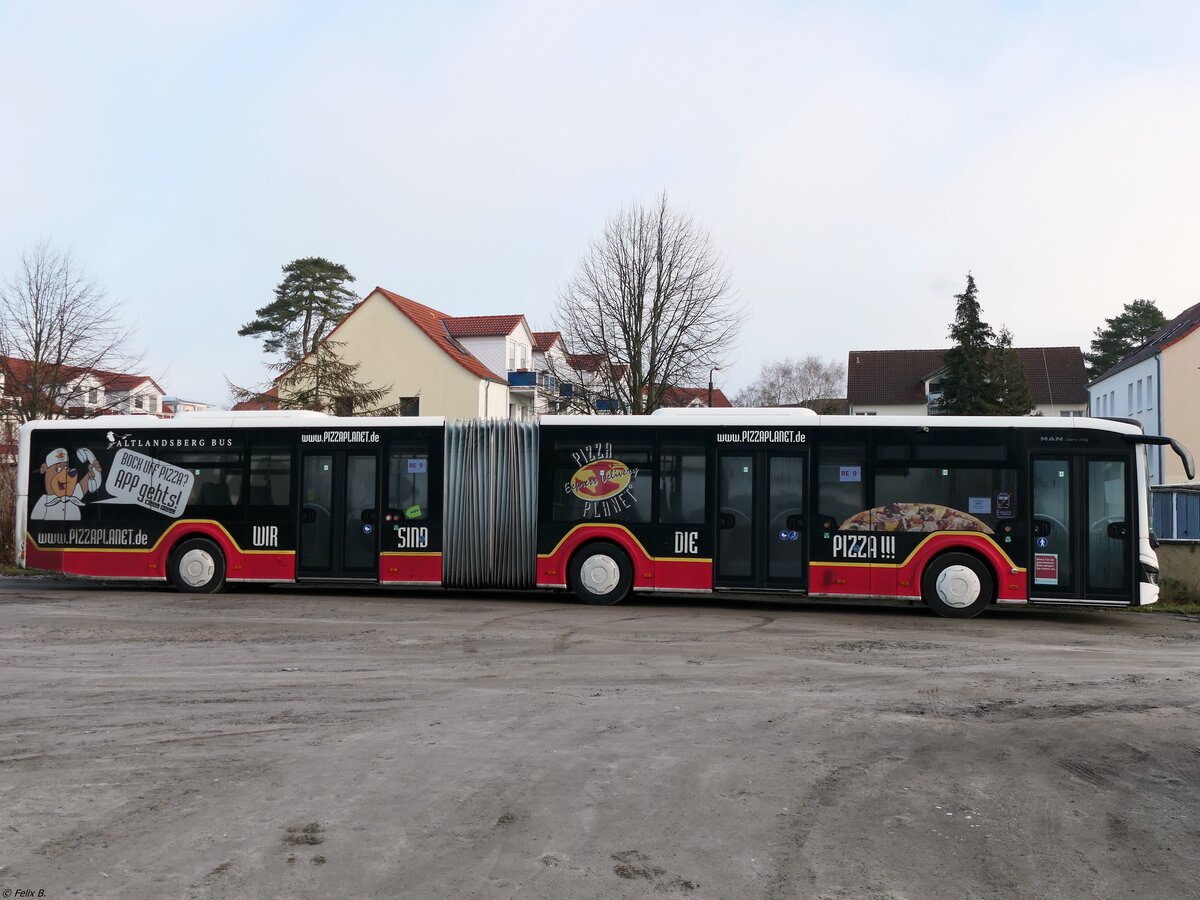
(600, 573)
(197, 567)
(957, 586)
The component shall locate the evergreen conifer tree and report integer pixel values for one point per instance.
(1122, 334)
(1010, 387)
(965, 387)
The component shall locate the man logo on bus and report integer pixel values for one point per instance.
(65, 488)
(601, 480)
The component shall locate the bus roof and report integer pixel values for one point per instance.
(242, 419)
(801, 418)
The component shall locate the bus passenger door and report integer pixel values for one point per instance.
(339, 515)
(1082, 531)
(760, 521)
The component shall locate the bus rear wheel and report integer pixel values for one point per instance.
(600, 574)
(198, 567)
(958, 586)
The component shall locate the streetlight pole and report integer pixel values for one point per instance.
(710, 383)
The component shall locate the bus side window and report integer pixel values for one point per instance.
(603, 480)
(681, 484)
(408, 482)
(217, 476)
(270, 476)
(841, 490)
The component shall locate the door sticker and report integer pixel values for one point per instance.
(1045, 568)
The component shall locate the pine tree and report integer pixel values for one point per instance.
(1010, 387)
(310, 372)
(1122, 334)
(965, 387)
(322, 382)
(312, 298)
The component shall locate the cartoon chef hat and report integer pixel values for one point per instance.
(54, 457)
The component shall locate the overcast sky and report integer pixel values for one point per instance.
(853, 161)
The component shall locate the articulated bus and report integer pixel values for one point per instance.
(955, 513)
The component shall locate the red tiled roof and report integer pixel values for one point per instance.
(481, 326)
(677, 397)
(432, 322)
(110, 381)
(1055, 375)
(268, 399)
(544, 340)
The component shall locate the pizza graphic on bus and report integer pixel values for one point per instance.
(602, 479)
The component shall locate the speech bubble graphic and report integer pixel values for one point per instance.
(134, 478)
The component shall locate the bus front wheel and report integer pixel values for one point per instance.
(198, 567)
(957, 585)
(601, 574)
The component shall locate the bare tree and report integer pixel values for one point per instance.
(57, 325)
(787, 382)
(649, 308)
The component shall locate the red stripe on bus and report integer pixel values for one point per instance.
(879, 579)
(410, 568)
(661, 573)
(98, 562)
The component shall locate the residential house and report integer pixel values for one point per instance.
(693, 398)
(83, 392)
(1158, 384)
(173, 406)
(908, 382)
(438, 364)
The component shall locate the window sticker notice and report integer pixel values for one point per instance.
(979, 506)
(1045, 568)
(417, 466)
(850, 473)
(1005, 508)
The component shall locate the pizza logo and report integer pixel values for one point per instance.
(600, 480)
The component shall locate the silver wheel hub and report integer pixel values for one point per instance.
(958, 586)
(600, 574)
(196, 568)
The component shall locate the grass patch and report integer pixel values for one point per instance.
(1175, 596)
(8, 569)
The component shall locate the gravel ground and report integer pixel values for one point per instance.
(297, 743)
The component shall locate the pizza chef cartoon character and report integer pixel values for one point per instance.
(65, 488)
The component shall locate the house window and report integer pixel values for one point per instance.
(1140, 407)
(1149, 392)
(1130, 386)
(343, 406)
(93, 395)
(153, 404)
(512, 355)
(410, 406)
(138, 402)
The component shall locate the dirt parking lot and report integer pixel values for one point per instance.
(304, 744)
